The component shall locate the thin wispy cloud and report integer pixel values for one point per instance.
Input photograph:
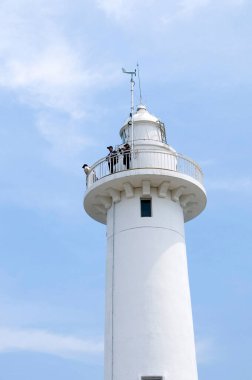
(45, 69)
(44, 66)
(204, 350)
(42, 341)
(65, 137)
(115, 8)
(67, 346)
(42, 197)
(230, 184)
(39, 56)
(51, 73)
(120, 10)
(208, 162)
(188, 7)
(236, 2)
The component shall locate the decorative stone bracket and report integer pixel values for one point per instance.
(186, 201)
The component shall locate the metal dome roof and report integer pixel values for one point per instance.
(142, 114)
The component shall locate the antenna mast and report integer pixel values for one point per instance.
(132, 84)
(139, 82)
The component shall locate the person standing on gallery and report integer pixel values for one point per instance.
(112, 159)
(126, 155)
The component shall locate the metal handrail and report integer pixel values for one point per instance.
(144, 159)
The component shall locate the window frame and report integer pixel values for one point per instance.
(141, 208)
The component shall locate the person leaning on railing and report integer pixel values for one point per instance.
(87, 171)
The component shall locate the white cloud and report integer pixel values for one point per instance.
(53, 76)
(45, 81)
(35, 340)
(48, 69)
(41, 62)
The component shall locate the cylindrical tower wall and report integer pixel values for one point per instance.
(149, 329)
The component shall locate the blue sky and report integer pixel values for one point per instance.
(63, 100)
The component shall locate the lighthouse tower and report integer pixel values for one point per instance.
(144, 197)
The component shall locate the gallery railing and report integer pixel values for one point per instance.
(144, 159)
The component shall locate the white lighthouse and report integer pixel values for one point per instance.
(144, 199)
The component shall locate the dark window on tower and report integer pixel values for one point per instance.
(145, 207)
(152, 378)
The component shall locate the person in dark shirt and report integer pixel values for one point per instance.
(112, 159)
(126, 155)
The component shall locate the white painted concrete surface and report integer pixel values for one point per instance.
(147, 293)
